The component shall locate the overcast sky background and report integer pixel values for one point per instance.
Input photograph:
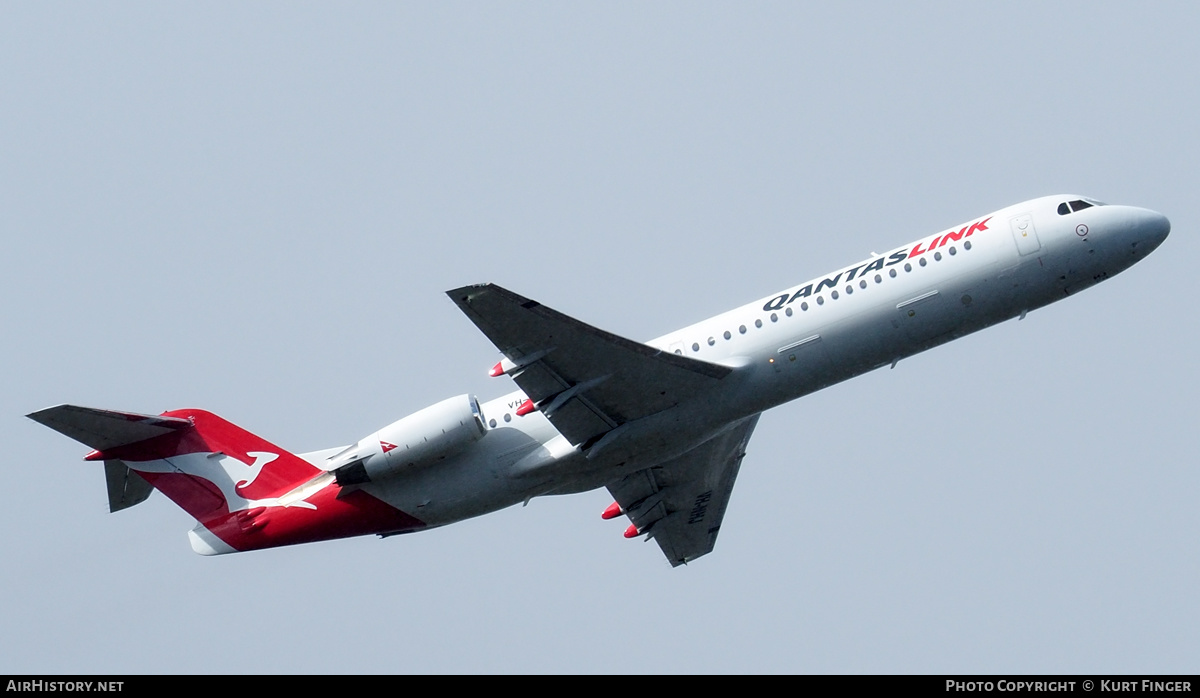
(255, 208)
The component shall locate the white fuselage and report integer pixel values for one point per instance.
(784, 346)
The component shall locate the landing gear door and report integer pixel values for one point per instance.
(1024, 233)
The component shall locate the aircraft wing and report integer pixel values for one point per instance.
(680, 504)
(585, 380)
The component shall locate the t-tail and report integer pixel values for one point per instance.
(245, 492)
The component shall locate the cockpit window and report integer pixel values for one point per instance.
(1078, 205)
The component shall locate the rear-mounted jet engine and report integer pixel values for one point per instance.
(419, 440)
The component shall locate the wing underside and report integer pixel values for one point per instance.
(681, 503)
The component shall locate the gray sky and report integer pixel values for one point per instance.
(255, 209)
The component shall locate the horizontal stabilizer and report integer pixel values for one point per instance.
(105, 429)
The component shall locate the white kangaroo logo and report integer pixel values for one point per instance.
(227, 473)
(233, 465)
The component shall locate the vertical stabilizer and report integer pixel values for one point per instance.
(246, 492)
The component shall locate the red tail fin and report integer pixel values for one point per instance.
(246, 492)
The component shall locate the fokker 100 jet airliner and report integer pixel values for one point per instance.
(663, 425)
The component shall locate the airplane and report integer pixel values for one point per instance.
(663, 425)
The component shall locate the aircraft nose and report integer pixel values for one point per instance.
(1150, 228)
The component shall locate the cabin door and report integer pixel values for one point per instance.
(1024, 233)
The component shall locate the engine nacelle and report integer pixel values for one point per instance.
(419, 440)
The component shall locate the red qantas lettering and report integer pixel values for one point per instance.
(942, 241)
(954, 236)
(980, 226)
